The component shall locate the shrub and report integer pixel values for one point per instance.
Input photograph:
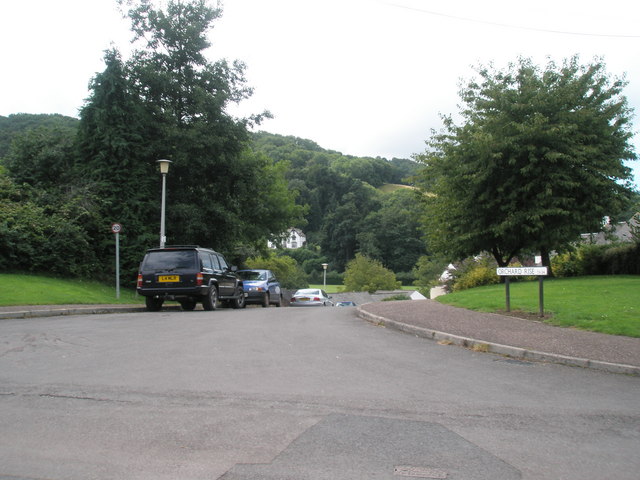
(427, 272)
(472, 272)
(396, 297)
(365, 274)
(566, 264)
(286, 270)
(479, 275)
(612, 259)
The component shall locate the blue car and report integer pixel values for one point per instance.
(261, 287)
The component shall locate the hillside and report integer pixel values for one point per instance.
(18, 123)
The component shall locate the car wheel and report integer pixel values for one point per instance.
(210, 302)
(265, 300)
(189, 304)
(153, 304)
(240, 301)
(279, 302)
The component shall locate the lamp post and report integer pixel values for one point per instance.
(164, 169)
(324, 277)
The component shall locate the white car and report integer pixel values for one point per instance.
(311, 297)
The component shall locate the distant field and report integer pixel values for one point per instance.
(329, 288)
(392, 187)
(607, 304)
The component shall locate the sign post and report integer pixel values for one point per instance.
(116, 228)
(540, 272)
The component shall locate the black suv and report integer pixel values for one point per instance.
(188, 274)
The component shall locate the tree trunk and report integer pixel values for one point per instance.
(546, 260)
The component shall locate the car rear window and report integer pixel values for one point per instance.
(173, 260)
(247, 275)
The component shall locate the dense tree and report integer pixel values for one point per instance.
(18, 123)
(36, 236)
(538, 159)
(392, 234)
(42, 157)
(115, 154)
(375, 173)
(339, 235)
(338, 192)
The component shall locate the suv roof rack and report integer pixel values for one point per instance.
(181, 246)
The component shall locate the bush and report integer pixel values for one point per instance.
(476, 277)
(286, 270)
(473, 272)
(365, 274)
(427, 271)
(622, 259)
(32, 239)
(612, 259)
(566, 264)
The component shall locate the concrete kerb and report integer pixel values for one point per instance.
(56, 312)
(496, 348)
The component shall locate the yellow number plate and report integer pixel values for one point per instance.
(169, 278)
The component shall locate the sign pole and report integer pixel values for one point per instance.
(115, 229)
(523, 271)
(506, 288)
(541, 295)
(117, 265)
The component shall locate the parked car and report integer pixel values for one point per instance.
(261, 287)
(346, 303)
(310, 297)
(188, 274)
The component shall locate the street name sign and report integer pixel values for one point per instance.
(520, 271)
(507, 272)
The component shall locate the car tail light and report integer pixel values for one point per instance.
(316, 299)
(293, 299)
(139, 280)
(199, 279)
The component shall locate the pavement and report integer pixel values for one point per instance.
(519, 338)
(524, 339)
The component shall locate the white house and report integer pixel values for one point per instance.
(294, 239)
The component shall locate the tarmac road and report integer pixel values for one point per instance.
(295, 393)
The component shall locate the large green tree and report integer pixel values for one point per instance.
(537, 158)
(168, 100)
(115, 152)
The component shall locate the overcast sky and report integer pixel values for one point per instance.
(364, 77)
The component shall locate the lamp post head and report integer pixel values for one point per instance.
(164, 165)
(325, 265)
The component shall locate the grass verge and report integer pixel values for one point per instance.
(606, 304)
(19, 289)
